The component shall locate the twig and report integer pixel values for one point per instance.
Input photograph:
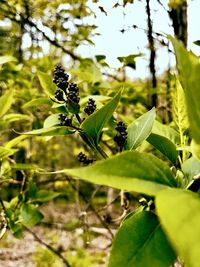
(84, 198)
(49, 247)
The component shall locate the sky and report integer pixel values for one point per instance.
(113, 43)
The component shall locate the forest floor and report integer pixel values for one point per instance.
(82, 241)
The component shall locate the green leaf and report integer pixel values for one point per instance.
(197, 42)
(191, 167)
(141, 242)
(52, 120)
(178, 211)
(179, 111)
(45, 195)
(47, 84)
(6, 59)
(15, 117)
(6, 152)
(6, 102)
(129, 61)
(37, 102)
(140, 129)
(195, 149)
(30, 215)
(166, 131)
(131, 170)
(189, 68)
(51, 131)
(94, 123)
(164, 145)
(15, 141)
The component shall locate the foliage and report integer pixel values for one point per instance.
(157, 161)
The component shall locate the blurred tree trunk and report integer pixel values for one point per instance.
(154, 97)
(178, 16)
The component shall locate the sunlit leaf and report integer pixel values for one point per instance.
(52, 120)
(30, 215)
(6, 59)
(141, 242)
(178, 211)
(140, 129)
(164, 145)
(6, 102)
(51, 131)
(131, 170)
(37, 102)
(189, 67)
(47, 84)
(6, 152)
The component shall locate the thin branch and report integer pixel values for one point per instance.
(90, 205)
(48, 247)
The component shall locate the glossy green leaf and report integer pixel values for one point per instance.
(140, 129)
(6, 152)
(191, 167)
(51, 131)
(30, 215)
(94, 123)
(141, 242)
(166, 131)
(179, 110)
(164, 145)
(197, 42)
(178, 211)
(6, 102)
(47, 84)
(189, 68)
(6, 59)
(52, 120)
(37, 102)
(45, 195)
(131, 170)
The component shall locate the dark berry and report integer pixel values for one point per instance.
(90, 107)
(121, 136)
(73, 88)
(64, 120)
(121, 127)
(73, 97)
(84, 159)
(120, 139)
(59, 95)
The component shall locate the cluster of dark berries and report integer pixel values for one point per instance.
(61, 78)
(73, 93)
(69, 90)
(121, 136)
(64, 120)
(84, 159)
(90, 107)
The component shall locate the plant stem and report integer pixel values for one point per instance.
(49, 247)
(78, 118)
(101, 152)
